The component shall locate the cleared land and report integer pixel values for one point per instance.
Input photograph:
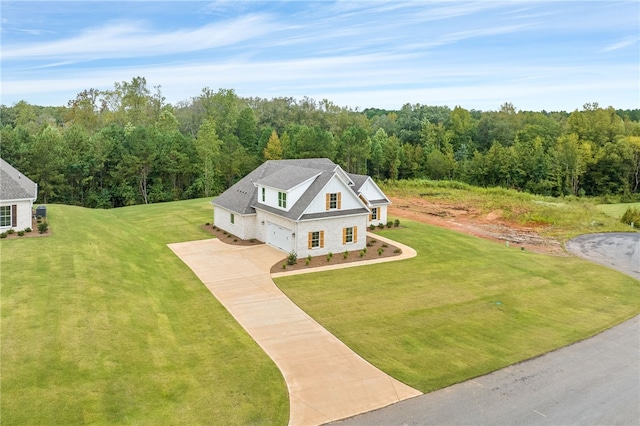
(102, 323)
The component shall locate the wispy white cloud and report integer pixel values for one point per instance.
(627, 42)
(133, 39)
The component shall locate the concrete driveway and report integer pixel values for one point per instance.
(326, 380)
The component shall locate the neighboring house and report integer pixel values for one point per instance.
(17, 195)
(308, 206)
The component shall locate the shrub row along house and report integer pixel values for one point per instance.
(17, 195)
(308, 207)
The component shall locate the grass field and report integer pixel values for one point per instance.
(463, 307)
(617, 210)
(102, 324)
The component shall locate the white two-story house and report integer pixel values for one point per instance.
(308, 206)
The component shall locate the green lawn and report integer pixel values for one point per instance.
(102, 324)
(617, 210)
(463, 307)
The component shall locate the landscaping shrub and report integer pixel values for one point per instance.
(43, 227)
(292, 259)
(384, 245)
(389, 224)
(632, 215)
(397, 251)
(10, 231)
(396, 223)
(20, 233)
(3, 235)
(381, 225)
(27, 229)
(329, 256)
(207, 224)
(345, 255)
(362, 252)
(380, 251)
(372, 227)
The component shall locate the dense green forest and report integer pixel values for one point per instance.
(128, 145)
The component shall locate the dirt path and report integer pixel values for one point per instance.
(460, 218)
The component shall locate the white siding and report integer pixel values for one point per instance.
(293, 195)
(349, 200)
(371, 191)
(24, 211)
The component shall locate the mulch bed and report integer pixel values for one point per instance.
(228, 238)
(34, 232)
(373, 246)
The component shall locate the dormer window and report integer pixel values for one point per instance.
(333, 201)
(282, 200)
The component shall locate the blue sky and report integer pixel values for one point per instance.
(543, 55)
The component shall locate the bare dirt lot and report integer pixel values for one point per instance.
(465, 219)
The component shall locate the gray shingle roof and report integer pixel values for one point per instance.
(288, 177)
(14, 185)
(242, 197)
(358, 180)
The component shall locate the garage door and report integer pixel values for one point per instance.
(279, 237)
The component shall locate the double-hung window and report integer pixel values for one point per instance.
(316, 239)
(374, 214)
(333, 201)
(5, 216)
(264, 195)
(282, 200)
(350, 235)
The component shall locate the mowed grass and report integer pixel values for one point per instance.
(463, 307)
(103, 324)
(617, 210)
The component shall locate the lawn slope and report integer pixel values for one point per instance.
(102, 324)
(463, 307)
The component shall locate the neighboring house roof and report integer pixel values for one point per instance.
(286, 174)
(14, 185)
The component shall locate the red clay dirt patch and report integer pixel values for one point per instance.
(460, 218)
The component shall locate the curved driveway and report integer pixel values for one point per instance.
(326, 380)
(617, 250)
(593, 382)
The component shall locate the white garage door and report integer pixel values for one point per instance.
(279, 237)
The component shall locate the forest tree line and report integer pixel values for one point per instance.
(129, 146)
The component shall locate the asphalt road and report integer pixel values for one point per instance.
(617, 250)
(593, 382)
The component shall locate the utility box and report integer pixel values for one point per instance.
(41, 211)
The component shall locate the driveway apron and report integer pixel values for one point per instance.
(326, 380)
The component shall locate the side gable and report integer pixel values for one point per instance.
(373, 193)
